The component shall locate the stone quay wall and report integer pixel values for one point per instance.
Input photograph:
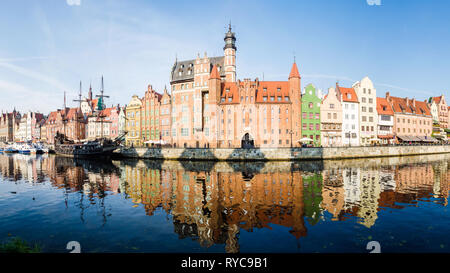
(281, 154)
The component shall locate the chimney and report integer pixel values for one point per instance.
(407, 101)
(414, 102)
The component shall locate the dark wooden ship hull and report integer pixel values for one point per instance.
(84, 150)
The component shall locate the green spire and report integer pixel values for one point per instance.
(100, 105)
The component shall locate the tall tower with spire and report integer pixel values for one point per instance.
(295, 94)
(230, 55)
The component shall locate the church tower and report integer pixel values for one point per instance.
(230, 56)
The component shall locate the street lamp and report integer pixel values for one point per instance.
(291, 133)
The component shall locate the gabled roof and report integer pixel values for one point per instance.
(437, 99)
(72, 114)
(229, 90)
(348, 94)
(383, 107)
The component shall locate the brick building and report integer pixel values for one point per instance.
(210, 108)
(412, 119)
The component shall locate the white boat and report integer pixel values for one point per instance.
(23, 148)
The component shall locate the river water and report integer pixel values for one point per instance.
(185, 206)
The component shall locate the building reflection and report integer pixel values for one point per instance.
(214, 203)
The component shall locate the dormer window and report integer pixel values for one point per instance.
(228, 90)
(229, 99)
(279, 89)
(265, 89)
(264, 98)
(349, 96)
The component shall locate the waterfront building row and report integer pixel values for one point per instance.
(209, 107)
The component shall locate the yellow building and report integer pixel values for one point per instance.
(133, 122)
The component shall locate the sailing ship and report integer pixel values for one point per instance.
(102, 146)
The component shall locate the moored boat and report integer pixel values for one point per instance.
(99, 147)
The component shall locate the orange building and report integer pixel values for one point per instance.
(412, 119)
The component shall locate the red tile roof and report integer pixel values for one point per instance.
(437, 99)
(405, 105)
(348, 94)
(230, 90)
(422, 108)
(108, 111)
(273, 90)
(383, 107)
(265, 91)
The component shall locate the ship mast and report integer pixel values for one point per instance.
(63, 115)
(78, 120)
(100, 108)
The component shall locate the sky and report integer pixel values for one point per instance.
(48, 47)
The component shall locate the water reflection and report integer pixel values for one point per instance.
(213, 203)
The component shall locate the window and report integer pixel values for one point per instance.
(272, 98)
(331, 106)
(264, 98)
(310, 105)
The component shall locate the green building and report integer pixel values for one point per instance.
(311, 115)
(312, 196)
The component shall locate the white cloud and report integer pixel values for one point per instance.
(34, 75)
(73, 2)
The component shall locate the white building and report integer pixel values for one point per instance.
(368, 116)
(385, 127)
(350, 116)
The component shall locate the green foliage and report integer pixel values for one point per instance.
(17, 245)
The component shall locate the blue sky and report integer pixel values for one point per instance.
(49, 46)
